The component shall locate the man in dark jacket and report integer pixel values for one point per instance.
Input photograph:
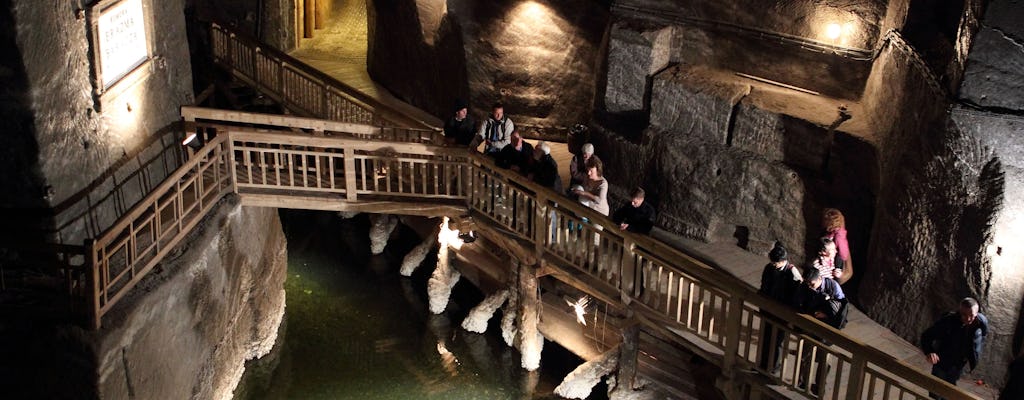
(824, 299)
(954, 340)
(779, 282)
(517, 155)
(638, 216)
(545, 169)
(460, 128)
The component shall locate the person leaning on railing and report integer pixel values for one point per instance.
(496, 131)
(824, 299)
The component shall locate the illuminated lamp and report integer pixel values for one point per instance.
(833, 31)
(193, 140)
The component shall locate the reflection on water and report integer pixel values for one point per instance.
(355, 329)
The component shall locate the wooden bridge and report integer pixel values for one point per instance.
(343, 163)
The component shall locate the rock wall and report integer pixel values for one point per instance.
(719, 167)
(950, 200)
(187, 330)
(416, 50)
(540, 58)
(183, 332)
(72, 137)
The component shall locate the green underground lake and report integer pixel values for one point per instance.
(354, 328)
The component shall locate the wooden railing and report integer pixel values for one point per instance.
(673, 294)
(128, 250)
(301, 89)
(715, 313)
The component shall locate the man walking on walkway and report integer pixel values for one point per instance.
(954, 340)
(496, 132)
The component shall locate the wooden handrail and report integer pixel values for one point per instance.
(721, 309)
(330, 84)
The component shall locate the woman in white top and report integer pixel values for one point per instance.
(594, 192)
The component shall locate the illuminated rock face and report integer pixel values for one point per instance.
(188, 329)
(945, 230)
(82, 150)
(540, 58)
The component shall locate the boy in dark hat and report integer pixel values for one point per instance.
(460, 128)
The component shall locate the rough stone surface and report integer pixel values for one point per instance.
(531, 55)
(1004, 134)
(423, 33)
(580, 382)
(718, 166)
(381, 226)
(509, 314)
(416, 256)
(188, 329)
(635, 53)
(81, 136)
(476, 320)
(183, 332)
(995, 70)
(441, 282)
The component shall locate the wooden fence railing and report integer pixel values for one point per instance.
(301, 89)
(720, 316)
(672, 293)
(128, 250)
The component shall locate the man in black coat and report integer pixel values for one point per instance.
(955, 340)
(517, 155)
(638, 216)
(460, 128)
(779, 281)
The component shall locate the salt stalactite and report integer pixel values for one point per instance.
(509, 313)
(416, 257)
(581, 381)
(444, 278)
(477, 319)
(381, 226)
(347, 214)
(529, 339)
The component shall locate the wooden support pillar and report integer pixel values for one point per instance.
(628, 352)
(320, 14)
(530, 341)
(308, 18)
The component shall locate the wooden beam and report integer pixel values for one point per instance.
(337, 204)
(190, 113)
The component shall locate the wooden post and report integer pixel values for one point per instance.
(350, 173)
(529, 340)
(540, 225)
(92, 266)
(320, 14)
(628, 358)
(309, 18)
(733, 325)
(855, 384)
(231, 163)
(627, 273)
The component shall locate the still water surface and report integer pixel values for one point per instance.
(355, 329)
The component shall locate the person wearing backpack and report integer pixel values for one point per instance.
(496, 132)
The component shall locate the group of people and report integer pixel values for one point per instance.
(951, 343)
(505, 144)
(954, 341)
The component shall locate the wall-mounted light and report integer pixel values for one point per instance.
(193, 141)
(833, 31)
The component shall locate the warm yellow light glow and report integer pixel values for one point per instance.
(122, 40)
(448, 237)
(532, 9)
(580, 307)
(833, 31)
